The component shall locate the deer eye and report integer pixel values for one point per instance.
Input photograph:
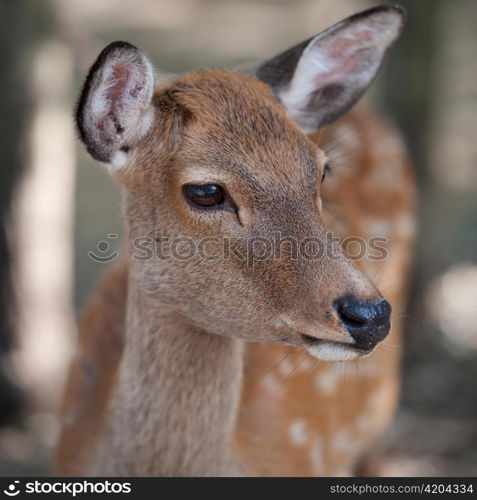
(326, 169)
(205, 195)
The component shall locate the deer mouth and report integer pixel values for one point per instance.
(329, 350)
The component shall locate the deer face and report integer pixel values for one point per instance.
(222, 181)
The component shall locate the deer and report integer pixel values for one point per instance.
(231, 365)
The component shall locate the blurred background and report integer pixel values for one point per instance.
(56, 204)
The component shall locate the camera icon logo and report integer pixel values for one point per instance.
(12, 490)
(103, 252)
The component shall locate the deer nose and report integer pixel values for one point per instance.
(366, 322)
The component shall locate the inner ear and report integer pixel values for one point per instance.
(115, 109)
(321, 78)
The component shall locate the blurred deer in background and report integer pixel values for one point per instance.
(206, 366)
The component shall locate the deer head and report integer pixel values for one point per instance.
(216, 166)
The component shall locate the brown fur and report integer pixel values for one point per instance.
(165, 401)
(94, 368)
(343, 410)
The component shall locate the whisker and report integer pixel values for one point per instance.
(315, 364)
(305, 355)
(335, 213)
(274, 368)
(336, 158)
(335, 165)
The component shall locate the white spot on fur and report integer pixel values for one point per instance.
(375, 399)
(298, 433)
(306, 365)
(271, 383)
(285, 367)
(343, 442)
(328, 381)
(390, 175)
(366, 368)
(405, 226)
(377, 227)
(363, 423)
(317, 456)
(344, 472)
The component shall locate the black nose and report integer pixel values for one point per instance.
(366, 322)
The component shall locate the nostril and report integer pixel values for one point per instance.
(366, 322)
(351, 315)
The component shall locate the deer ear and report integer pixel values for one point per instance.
(321, 78)
(115, 109)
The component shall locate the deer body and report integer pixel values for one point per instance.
(166, 345)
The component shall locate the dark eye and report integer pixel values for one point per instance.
(326, 169)
(205, 195)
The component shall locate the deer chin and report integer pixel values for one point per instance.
(327, 350)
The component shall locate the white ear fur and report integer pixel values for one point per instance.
(115, 109)
(334, 68)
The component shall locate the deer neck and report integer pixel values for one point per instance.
(177, 396)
